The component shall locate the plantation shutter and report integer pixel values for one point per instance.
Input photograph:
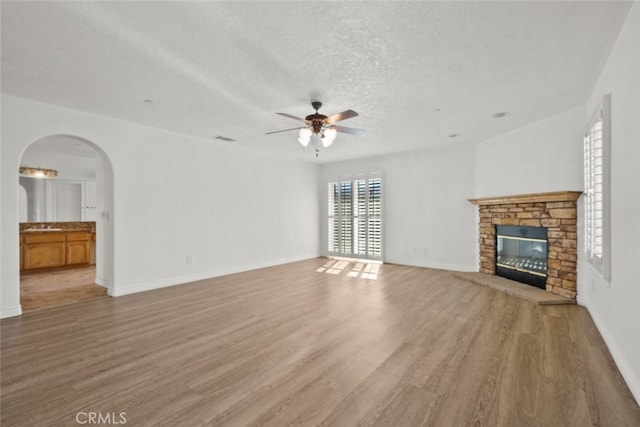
(596, 194)
(355, 217)
(375, 218)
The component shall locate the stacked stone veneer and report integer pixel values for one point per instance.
(560, 218)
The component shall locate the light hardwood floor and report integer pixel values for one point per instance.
(59, 287)
(292, 345)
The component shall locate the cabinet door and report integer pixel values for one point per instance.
(43, 255)
(78, 253)
(78, 248)
(21, 253)
(92, 249)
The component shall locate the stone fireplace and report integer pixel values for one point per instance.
(556, 212)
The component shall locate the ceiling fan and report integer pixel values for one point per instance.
(321, 127)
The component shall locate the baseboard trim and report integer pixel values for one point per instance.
(102, 281)
(443, 266)
(180, 280)
(11, 312)
(618, 355)
(580, 300)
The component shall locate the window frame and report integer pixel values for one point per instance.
(597, 189)
(354, 217)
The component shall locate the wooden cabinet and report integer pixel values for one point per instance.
(77, 248)
(42, 250)
(21, 252)
(92, 249)
(55, 249)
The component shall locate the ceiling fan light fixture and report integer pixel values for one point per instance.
(321, 128)
(328, 136)
(304, 136)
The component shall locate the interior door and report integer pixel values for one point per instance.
(90, 201)
(67, 201)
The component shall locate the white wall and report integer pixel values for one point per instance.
(615, 305)
(540, 157)
(226, 208)
(428, 221)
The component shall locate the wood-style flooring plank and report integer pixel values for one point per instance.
(317, 342)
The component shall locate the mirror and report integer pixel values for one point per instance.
(70, 196)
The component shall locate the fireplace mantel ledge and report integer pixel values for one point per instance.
(556, 196)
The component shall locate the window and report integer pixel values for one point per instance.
(355, 217)
(596, 185)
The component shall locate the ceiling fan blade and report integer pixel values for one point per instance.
(341, 116)
(351, 131)
(293, 117)
(285, 130)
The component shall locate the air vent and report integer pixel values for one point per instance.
(224, 138)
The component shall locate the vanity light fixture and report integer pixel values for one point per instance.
(38, 172)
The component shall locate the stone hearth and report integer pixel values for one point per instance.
(557, 211)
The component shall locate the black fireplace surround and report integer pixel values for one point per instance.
(521, 254)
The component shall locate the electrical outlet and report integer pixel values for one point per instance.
(187, 260)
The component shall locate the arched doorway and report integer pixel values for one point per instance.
(75, 204)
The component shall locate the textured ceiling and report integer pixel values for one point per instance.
(416, 72)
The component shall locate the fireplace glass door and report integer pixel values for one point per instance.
(521, 254)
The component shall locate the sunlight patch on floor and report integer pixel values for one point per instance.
(364, 270)
(371, 271)
(355, 270)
